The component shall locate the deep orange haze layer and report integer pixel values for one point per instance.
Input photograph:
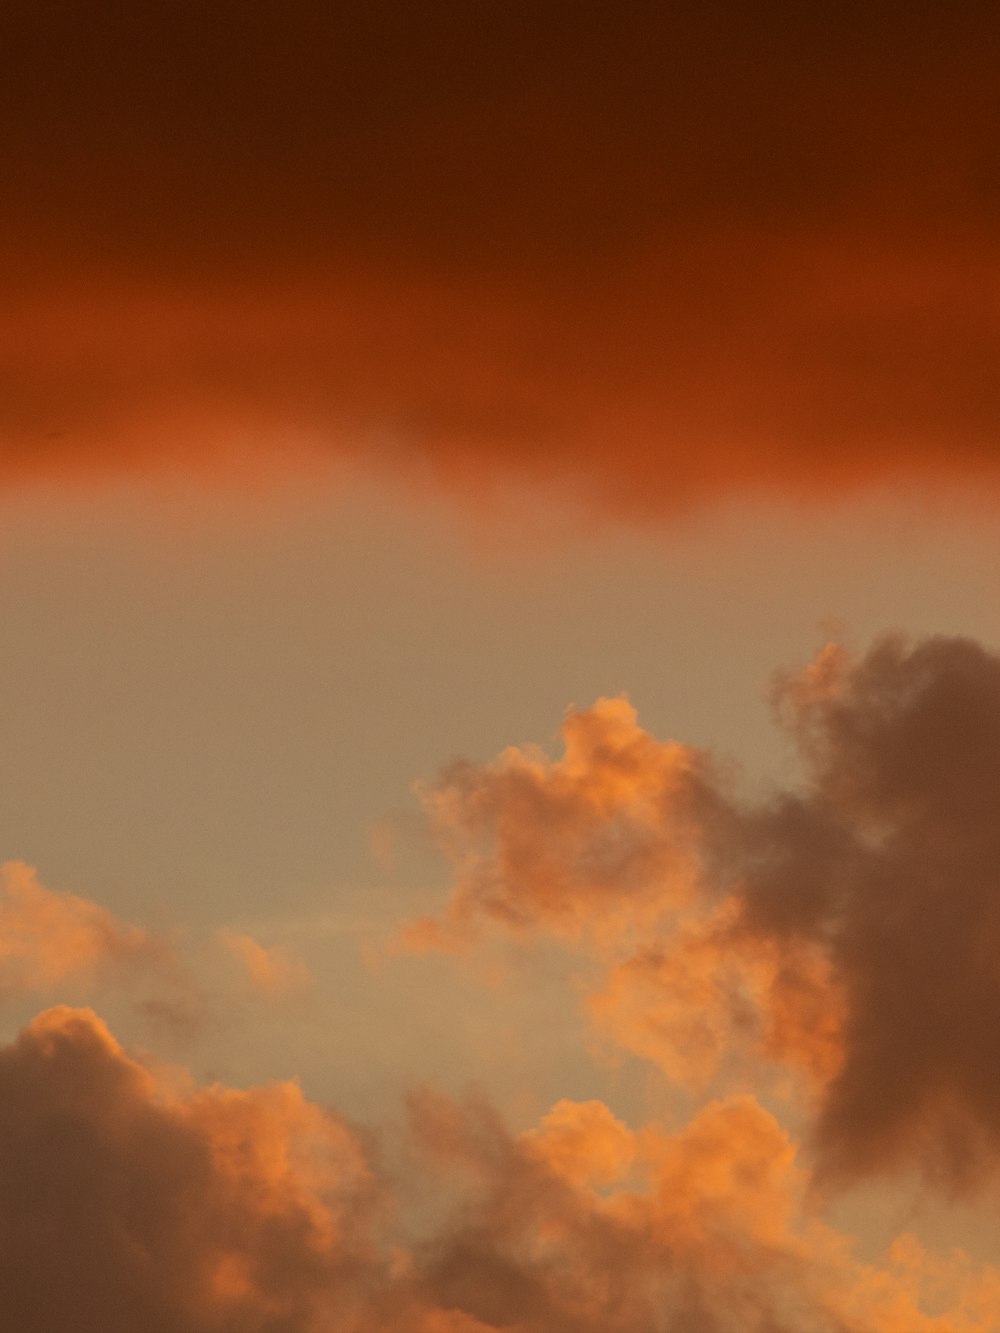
(647, 253)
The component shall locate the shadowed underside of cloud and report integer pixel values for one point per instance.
(846, 928)
(124, 1206)
(132, 1200)
(647, 254)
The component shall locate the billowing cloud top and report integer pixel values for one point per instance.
(128, 1202)
(846, 927)
(649, 251)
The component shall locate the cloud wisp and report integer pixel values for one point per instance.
(271, 971)
(48, 937)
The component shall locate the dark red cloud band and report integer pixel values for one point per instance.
(649, 255)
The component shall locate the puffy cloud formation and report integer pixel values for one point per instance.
(842, 930)
(648, 255)
(594, 841)
(707, 998)
(896, 845)
(697, 1231)
(846, 928)
(48, 937)
(133, 1200)
(127, 1204)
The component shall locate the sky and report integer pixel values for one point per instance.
(499, 668)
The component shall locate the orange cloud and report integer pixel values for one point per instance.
(707, 1226)
(48, 937)
(709, 1000)
(591, 842)
(124, 1204)
(843, 929)
(134, 1199)
(272, 971)
(583, 1142)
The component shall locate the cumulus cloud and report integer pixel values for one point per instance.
(845, 928)
(592, 842)
(841, 932)
(131, 1198)
(126, 1204)
(709, 999)
(583, 1224)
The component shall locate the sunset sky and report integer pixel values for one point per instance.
(500, 673)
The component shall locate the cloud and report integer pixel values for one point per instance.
(125, 1203)
(584, 1224)
(583, 1142)
(594, 841)
(640, 259)
(48, 937)
(708, 999)
(58, 946)
(272, 971)
(534, 1245)
(133, 1198)
(899, 827)
(844, 929)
